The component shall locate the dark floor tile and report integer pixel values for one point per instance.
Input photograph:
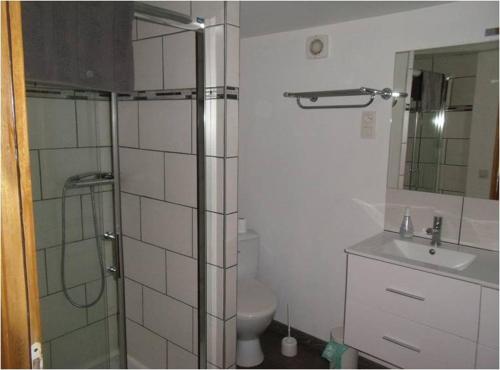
(308, 352)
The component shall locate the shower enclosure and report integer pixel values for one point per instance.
(77, 252)
(74, 151)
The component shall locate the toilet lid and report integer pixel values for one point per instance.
(255, 299)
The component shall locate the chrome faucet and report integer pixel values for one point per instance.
(435, 231)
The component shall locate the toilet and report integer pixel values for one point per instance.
(256, 302)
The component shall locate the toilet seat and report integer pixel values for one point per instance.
(254, 300)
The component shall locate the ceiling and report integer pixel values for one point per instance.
(264, 17)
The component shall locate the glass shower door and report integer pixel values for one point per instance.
(70, 147)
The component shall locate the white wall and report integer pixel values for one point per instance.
(308, 183)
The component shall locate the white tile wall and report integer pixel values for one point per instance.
(230, 342)
(59, 316)
(142, 172)
(215, 184)
(231, 283)
(133, 300)
(42, 275)
(81, 261)
(231, 186)
(182, 278)
(169, 318)
(180, 178)
(48, 221)
(128, 118)
(233, 13)
(165, 125)
(167, 225)
(214, 127)
(214, 56)
(131, 216)
(94, 122)
(424, 206)
(180, 61)
(232, 128)
(148, 64)
(480, 223)
(144, 263)
(215, 291)
(147, 29)
(233, 56)
(35, 175)
(146, 347)
(215, 335)
(84, 348)
(48, 116)
(168, 127)
(106, 306)
(179, 358)
(57, 165)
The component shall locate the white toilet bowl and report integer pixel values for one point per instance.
(256, 306)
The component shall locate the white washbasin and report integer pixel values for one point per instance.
(417, 252)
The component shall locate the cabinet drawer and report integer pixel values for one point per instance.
(488, 321)
(440, 302)
(402, 342)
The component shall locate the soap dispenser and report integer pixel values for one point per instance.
(406, 229)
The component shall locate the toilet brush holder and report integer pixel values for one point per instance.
(289, 346)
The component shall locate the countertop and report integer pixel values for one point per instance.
(483, 270)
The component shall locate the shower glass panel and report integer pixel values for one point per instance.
(71, 161)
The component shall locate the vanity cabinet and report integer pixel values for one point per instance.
(416, 319)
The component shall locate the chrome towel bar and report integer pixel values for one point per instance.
(313, 96)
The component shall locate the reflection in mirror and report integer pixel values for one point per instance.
(445, 138)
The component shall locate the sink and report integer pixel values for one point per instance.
(417, 252)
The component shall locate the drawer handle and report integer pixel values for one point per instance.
(409, 295)
(402, 344)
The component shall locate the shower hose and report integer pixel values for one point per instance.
(98, 247)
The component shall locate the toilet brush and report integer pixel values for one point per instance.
(288, 343)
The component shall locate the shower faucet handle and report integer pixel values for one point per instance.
(108, 235)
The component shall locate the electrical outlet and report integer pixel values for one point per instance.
(368, 124)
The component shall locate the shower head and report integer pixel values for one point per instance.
(89, 179)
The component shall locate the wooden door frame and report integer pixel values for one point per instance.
(20, 297)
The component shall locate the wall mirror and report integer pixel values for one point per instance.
(444, 138)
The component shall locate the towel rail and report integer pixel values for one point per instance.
(313, 96)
